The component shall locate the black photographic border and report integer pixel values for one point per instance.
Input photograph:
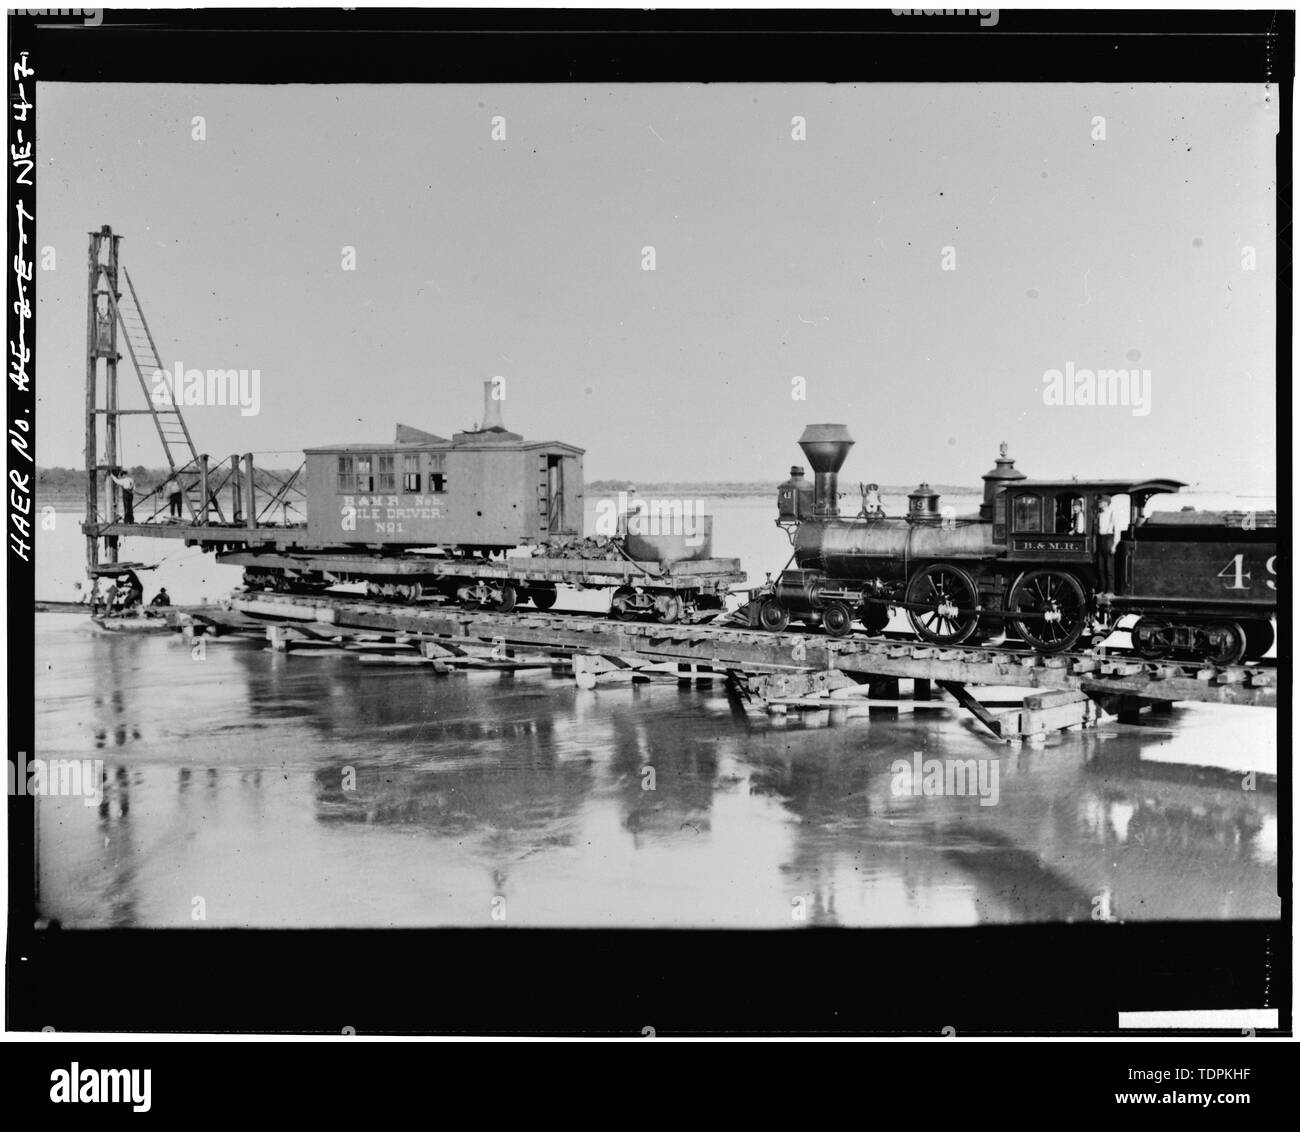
(1032, 979)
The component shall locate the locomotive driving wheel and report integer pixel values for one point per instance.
(951, 602)
(1048, 609)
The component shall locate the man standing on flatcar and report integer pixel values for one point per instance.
(127, 484)
(1105, 545)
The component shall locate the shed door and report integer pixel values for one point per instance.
(555, 493)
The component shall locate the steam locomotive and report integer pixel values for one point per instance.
(1031, 564)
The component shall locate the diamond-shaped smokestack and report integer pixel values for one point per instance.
(826, 446)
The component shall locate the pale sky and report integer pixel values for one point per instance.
(774, 258)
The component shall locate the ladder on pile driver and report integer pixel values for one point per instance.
(178, 446)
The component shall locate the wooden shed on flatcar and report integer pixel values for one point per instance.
(484, 489)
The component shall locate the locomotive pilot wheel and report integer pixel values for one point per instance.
(1052, 609)
(773, 616)
(837, 619)
(951, 602)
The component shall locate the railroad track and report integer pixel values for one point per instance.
(1103, 661)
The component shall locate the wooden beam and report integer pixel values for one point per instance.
(960, 693)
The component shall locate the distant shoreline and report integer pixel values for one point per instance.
(67, 500)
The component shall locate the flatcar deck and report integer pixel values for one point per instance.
(571, 571)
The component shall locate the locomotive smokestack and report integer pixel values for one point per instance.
(491, 410)
(826, 446)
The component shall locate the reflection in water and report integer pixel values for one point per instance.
(313, 790)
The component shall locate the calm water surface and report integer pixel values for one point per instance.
(225, 781)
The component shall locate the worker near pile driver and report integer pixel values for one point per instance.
(172, 490)
(130, 590)
(1105, 545)
(127, 484)
(162, 597)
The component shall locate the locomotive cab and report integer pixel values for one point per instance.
(1058, 520)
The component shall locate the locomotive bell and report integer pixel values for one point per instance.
(826, 446)
(923, 505)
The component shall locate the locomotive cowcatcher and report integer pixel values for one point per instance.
(1031, 564)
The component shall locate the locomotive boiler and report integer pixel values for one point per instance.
(1041, 560)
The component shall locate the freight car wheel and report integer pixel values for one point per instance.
(773, 616)
(505, 601)
(620, 605)
(1148, 639)
(945, 590)
(1225, 643)
(837, 619)
(1259, 638)
(668, 608)
(543, 594)
(1057, 607)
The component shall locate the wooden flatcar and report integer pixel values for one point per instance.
(426, 514)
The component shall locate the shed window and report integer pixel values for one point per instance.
(1028, 513)
(411, 472)
(365, 474)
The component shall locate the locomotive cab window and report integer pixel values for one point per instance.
(1071, 515)
(1027, 513)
